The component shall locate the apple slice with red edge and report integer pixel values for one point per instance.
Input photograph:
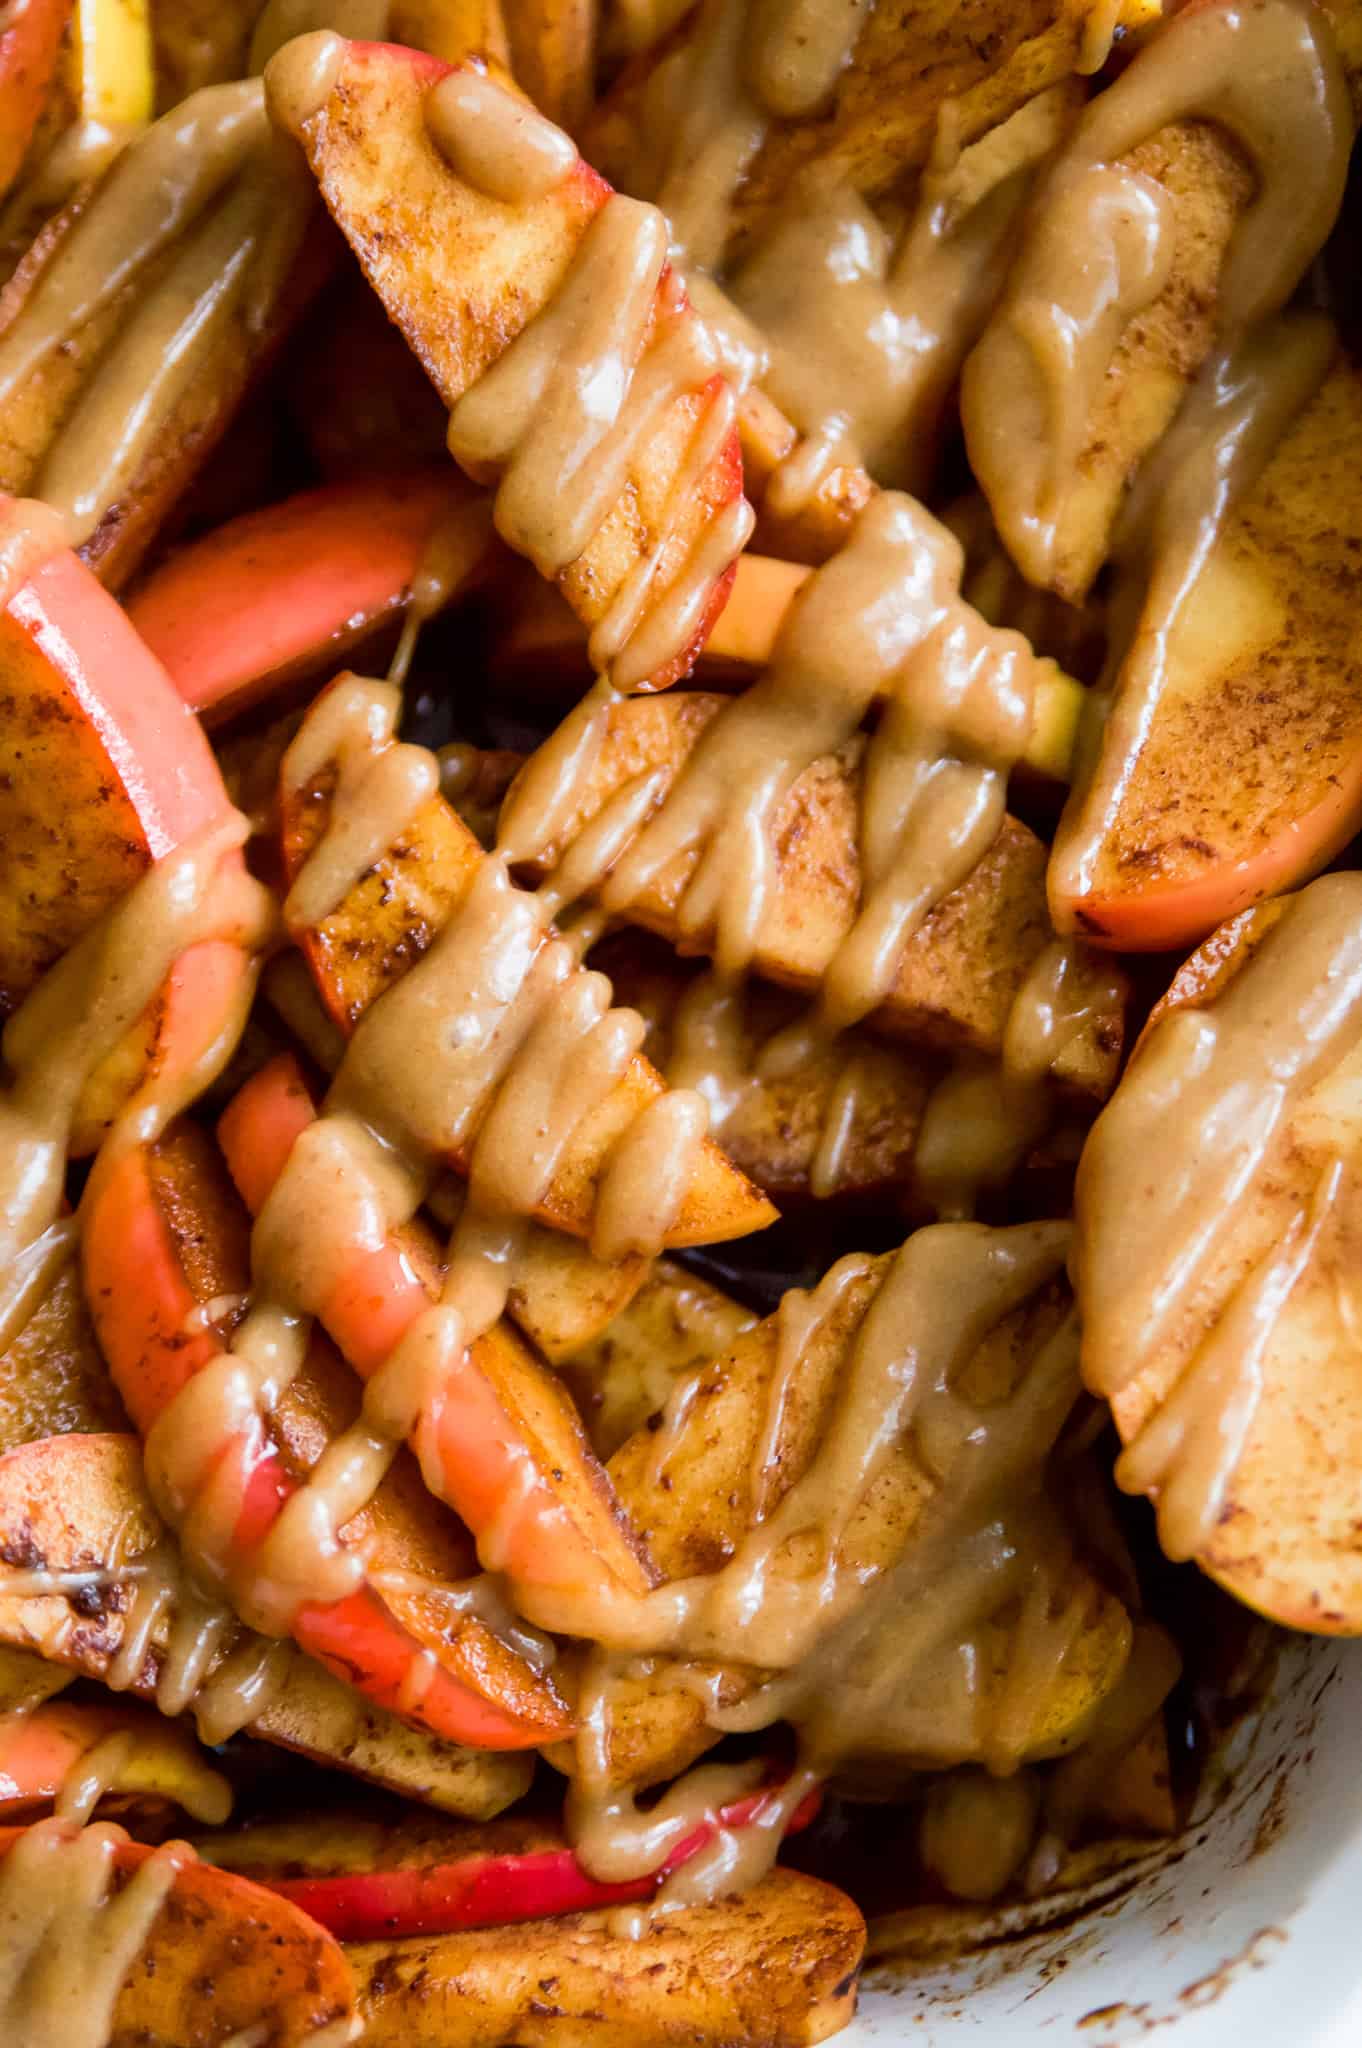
(220, 1952)
(365, 1882)
(462, 275)
(501, 1416)
(103, 771)
(30, 43)
(77, 1508)
(163, 1234)
(243, 612)
(42, 1751)
(386, 922)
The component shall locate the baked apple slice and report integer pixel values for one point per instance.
(103, 773)
(639, 517)
(204, 250)
(239, 614)
(1161, 840)
(30, 43)
(75, 1512)
(777, 1965)
(505, 1428)
(149, 1948)
(162, 1235)
(1217, 1214)
(50, 1755)
(365, 1881)
(390, 918)
(959, 973)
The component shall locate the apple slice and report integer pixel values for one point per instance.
(1161, 843)
(102, 772)
(562, 1296)
(41, 1754)
(30, 42)
(277, 595)
(366, 1881)
(1217, 1209)
(959, 973)
(843, 1126)
(77, 1507)
(53, 1379)
(463, 275)
(163, 1234)
(777, 1966)
(219, 1952)
(505, 1428)
(84, 424)
(393, 914)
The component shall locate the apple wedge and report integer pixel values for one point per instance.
(209, 291)
(741, 1434)
(675, 1324)
(30, 43)
(1217, 1208)
(504, 1428)
(156, 1762)
(366, 1881)
(162, 1234)
(53, 1379)
(464, 275)
(102, 772)
(776, 1966)
(274, 596)
(391, 917)
(842, 1126)
(217, 1954)
(959, 973)
(562, 1296)
(1056, 474)
(1160, 841)
(879, 119)
(77, 1507)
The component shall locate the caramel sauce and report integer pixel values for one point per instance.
(496, 140)
(68, 1938)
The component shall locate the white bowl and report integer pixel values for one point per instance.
(1244, 1933)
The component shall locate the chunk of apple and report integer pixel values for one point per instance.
(777, 1965)
(79, 1505)
(219, 1953)
(1230, 767)
(162, 1234)
(463, 275)
(390, 917)
(1217, 1215)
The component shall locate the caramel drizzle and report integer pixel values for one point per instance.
(1209, 1098)
(495, 1041)
(67, 1939)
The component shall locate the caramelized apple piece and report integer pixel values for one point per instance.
(163, 1233)
(1163, 840)
(78, 1505)
(958, 974)
(1217, 1211)
(390, 918)
(463, 274)
(776, 1966)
